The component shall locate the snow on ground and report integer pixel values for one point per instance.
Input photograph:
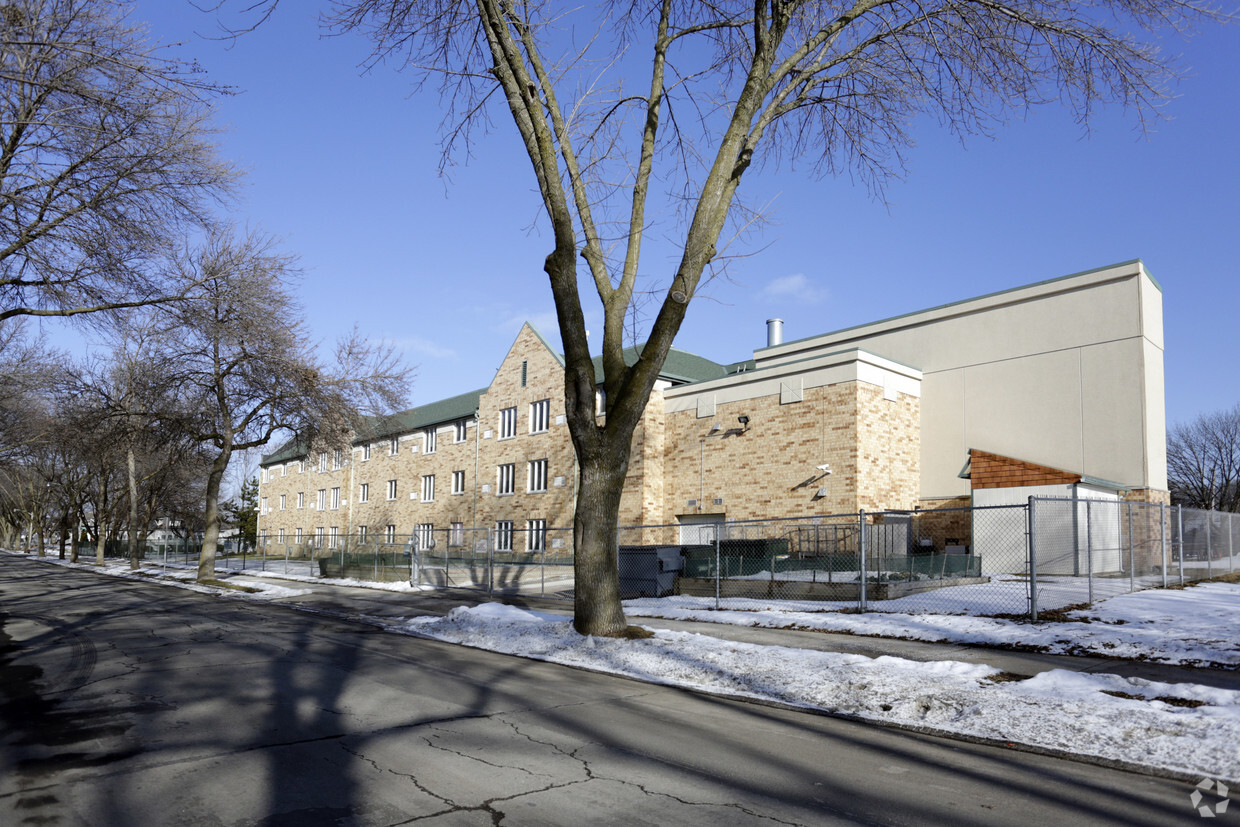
(1195, 626)
(1059, 710)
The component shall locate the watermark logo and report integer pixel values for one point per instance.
(1205, 810)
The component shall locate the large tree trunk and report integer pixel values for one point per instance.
(133, 510)
(597, 609)
(211, 535)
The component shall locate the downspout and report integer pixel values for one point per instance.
(477, 448)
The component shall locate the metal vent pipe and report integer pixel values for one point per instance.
(774, 332)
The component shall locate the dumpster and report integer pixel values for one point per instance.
(649, 571)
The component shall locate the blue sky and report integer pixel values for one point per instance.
(343, 168)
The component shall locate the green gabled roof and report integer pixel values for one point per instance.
(433, 413)
(290, 450)
(680, 366)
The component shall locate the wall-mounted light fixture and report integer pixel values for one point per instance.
(744, 420)
(716, 428)
(825, 468)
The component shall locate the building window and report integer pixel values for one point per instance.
(536, 535)
(430, 441)
(391, 489)
(503, 535)
(525, 371)
(540, 415)
(323, 461)
(366, 452)
(361, 535)
(321, 502)
(334, 538)
(600, 402)
(297, 535)
(284, 470)
(389, 534)
(335, 499)
(393, 446)
(424, 533)
(301, 499)
(458, 431)
(283, 501)
(263, 507)
(428, 488)
(504, 483)
(363, 494)
(457, 537)
(538, 476)
(507, 423)
(318, 536)
(301, 466)
(458, 482)
(280, 536)
(337, 459)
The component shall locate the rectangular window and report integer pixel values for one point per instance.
(600, 403)
(301, 466)
(503, 535)
(428, 488)
(263, 509)
(389, 534)
(507, 423)
(430, 441)
(323, 461)
(284, 470)
(391, 489)
(280, 536)
(283, 501)
(366, 452)
(424, 533)
(536, 535)
(458, 431)
(363, 494)
(361, 535)
(538, 476)
(337, 459)
(333, 539)
(458, 482)
(318, 536)
(393, 446)
(321, 502)
(301, 499)
(540, 416)
(457, 537)
(335, 499)
(297, 535)
(504, 483)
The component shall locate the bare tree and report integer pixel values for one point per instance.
(249, 369)
(648, 115)
(106, 154)
(1203, 461)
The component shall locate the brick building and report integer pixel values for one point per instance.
(1064, 374)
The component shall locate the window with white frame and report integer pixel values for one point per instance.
(280, 536)
(458, 482)
(458, 431)
(335, 499)
(504, 483)
(536, 535)
(538, 476)
(393, 446)
(297, 536)
(366, 452)
(361, 535)
(284, 470)
(301, 499)
(600, 402)
(507, 423)
(540, 416)
(389, 534)
(318, 536)
(363, 493)
(323, 461)
(425, 533)
(321, 501)
(503, 535)
(428, 488)
(430, 441)
(333, 539)
(263, 506)
(391, 489)
(283, 501)
(301, 466)
(457, 535)
(337, 459)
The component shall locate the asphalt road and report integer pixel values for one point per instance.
(134, 703)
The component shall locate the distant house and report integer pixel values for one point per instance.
(1065, 374)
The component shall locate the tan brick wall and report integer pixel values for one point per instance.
(888, 449)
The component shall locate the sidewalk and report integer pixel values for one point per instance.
(359, 603)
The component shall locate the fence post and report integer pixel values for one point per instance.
(1209, 543)
(1231, 544)
(1162, 538)
(1132, 560)
(718, 569)
(862, 560)
(1033, 563)
(1089, 549)
(1179, 519)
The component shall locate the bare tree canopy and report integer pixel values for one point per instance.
(106, 154)
(636, 116)
(1203, 461)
